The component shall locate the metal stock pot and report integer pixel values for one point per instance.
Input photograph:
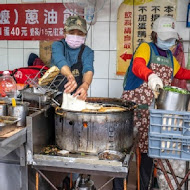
(95, 132)
(20, 110)
(3, 109)
(173, 99)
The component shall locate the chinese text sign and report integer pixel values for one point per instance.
(43, 21)
(135, 19)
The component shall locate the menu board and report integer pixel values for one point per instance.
(33, 21)
(134, 25)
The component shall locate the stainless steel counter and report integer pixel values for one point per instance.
(38, 133)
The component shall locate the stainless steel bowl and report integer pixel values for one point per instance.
(169, 100)
(3, 109)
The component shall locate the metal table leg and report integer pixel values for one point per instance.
(173, 174)
(179, 185)
(138, 167)
(125, 184)
(186, 182)
(165, 174)
(106, 183)
(37, 178)
(185, 179)
(37, 181)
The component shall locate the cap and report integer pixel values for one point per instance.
(165, 27)
(75, 22)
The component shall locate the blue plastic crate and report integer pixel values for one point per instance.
(169, 147)
(169, 122)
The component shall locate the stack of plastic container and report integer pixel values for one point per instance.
(169, 134)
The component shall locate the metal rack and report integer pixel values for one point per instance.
(40, 93)
(179, 185)
(32, 80)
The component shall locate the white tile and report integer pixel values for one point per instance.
(187, 59)
(13, 1)
(99, 88)
(89, 36)
(27, 52)
(33, 1)
(31, 44)
(185, 46)
(89, 92)
(113, 65)
(53, 1)
(101, 63)
(4, 59)
(3, 1)
(3, 43)
(67, 1)
(182, 10)
(15, 44)
(113, 35)
(104, 13)
(15, 58)
(183, 33)
(115, 88)
(100, 36)
(114, 9)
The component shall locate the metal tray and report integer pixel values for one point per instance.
(8, 120)
(33, 94)
(111, 155)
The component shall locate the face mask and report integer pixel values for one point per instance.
(74, 41)
(165, 44)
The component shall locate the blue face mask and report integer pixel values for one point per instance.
(165, 44)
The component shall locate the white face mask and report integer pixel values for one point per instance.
(165, 44)
(74, 41)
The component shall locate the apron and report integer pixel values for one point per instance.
(76, 70)
(143, 95)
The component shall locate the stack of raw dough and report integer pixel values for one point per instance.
(72, 103)
(49, 75)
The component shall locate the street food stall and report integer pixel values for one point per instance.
(28, 142)
(48, 144)
(96, 141)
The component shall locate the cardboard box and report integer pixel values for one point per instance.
(45, 52)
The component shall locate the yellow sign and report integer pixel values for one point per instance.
(134, 22)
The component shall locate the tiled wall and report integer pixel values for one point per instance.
(101, 38)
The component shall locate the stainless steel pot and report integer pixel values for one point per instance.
(20, 110)
(3, 109)
(95, 132)
(168, 100)
(84, 183)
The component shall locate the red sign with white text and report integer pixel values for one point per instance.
(40, 21)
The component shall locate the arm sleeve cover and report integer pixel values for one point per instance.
(141, 59)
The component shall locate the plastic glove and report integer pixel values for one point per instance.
(153, 81)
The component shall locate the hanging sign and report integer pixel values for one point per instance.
(134, 23)
(124, 37)
(40, 21)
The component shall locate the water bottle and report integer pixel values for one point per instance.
(7, 85)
